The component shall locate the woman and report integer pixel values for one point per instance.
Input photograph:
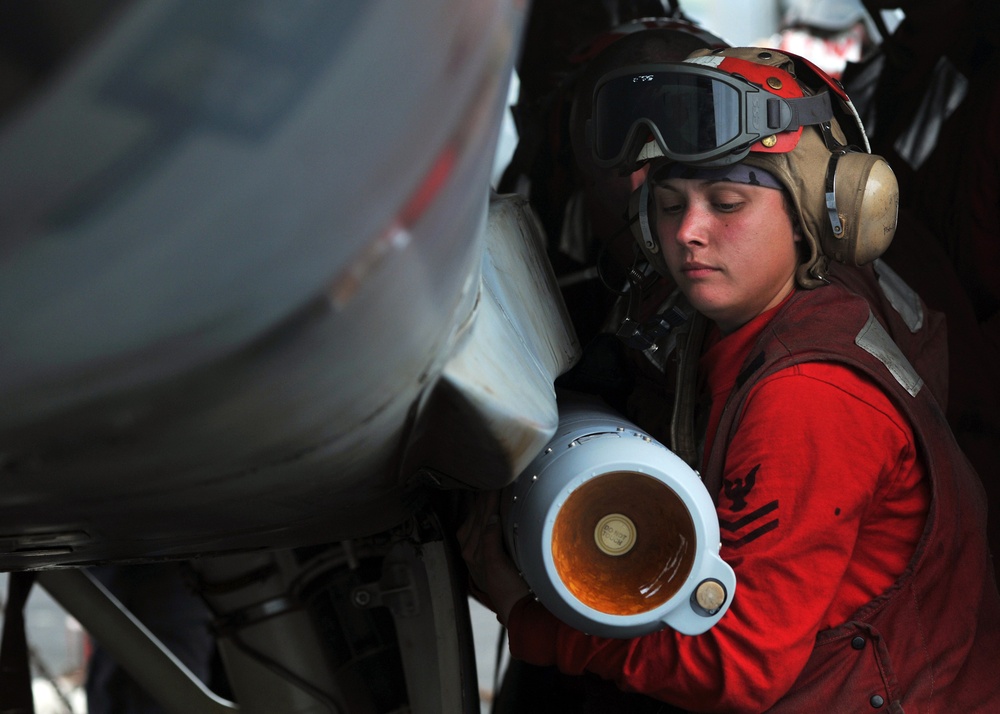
(854, 524)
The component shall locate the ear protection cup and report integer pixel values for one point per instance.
(846, 199)
(862, 200)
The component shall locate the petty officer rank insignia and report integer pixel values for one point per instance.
(747, 527)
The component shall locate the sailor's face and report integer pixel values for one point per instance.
(731, 247)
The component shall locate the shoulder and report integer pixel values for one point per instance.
(828, 395)
(831, 324)
(823, 319)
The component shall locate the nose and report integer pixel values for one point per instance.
(692, 226)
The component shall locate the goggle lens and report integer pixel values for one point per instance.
(693, 114)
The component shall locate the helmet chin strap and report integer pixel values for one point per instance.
(647, 234)
(831, 192)
(836, 151)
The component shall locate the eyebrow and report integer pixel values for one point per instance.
(665, 183)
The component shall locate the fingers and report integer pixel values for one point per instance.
(467, 507)
(482, 510)
(490, 503)
(479, 534)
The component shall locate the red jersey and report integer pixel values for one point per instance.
(823, 503)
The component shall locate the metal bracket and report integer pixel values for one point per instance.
(395, 591)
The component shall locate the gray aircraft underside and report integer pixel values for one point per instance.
(251, 290)
(258, 306)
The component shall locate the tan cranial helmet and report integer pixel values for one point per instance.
(847, 199)
(763, 109)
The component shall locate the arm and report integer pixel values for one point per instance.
(789, 537)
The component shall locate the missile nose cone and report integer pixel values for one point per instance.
(623, 543)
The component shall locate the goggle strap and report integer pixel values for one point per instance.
(805, 111)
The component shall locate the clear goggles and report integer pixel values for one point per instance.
(697, 114)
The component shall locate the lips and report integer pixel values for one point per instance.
(695, 269)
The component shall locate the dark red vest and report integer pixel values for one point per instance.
(931, 643)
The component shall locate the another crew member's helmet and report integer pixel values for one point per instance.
(764, 109)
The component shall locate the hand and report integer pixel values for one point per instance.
(491, 569)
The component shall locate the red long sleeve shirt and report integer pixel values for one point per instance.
(823, 503)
